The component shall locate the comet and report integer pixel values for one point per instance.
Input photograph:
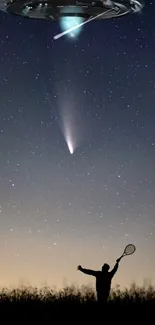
(68, 138)
(70, 146)
(68, 120)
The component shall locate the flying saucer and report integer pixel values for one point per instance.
(85, 9)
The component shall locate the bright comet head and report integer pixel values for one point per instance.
(69, 144)
(70, 148)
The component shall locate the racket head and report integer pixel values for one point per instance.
(129, 249)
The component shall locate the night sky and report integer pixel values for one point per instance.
(59, 210)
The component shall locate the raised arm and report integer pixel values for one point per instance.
(114, 270)
(87, 271)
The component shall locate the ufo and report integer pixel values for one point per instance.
(56, 9)
(72, 14)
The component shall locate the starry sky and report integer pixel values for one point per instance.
(59, 210)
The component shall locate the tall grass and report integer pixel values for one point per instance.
(84, 294)
(75, 303)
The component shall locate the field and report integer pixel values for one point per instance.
(31, 305)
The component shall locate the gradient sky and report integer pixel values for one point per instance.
(59, 210)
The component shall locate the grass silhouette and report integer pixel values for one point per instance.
(72, 304)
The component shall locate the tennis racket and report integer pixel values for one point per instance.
(129, 250)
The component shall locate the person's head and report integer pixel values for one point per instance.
(105, 268)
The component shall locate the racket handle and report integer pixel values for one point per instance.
(118, 260)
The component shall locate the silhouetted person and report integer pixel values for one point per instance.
(103, 280)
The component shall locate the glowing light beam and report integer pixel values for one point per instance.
(79, 25)
(68, 22)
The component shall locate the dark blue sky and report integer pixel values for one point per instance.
(60, 210)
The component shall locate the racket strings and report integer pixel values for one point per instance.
(129, 249)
